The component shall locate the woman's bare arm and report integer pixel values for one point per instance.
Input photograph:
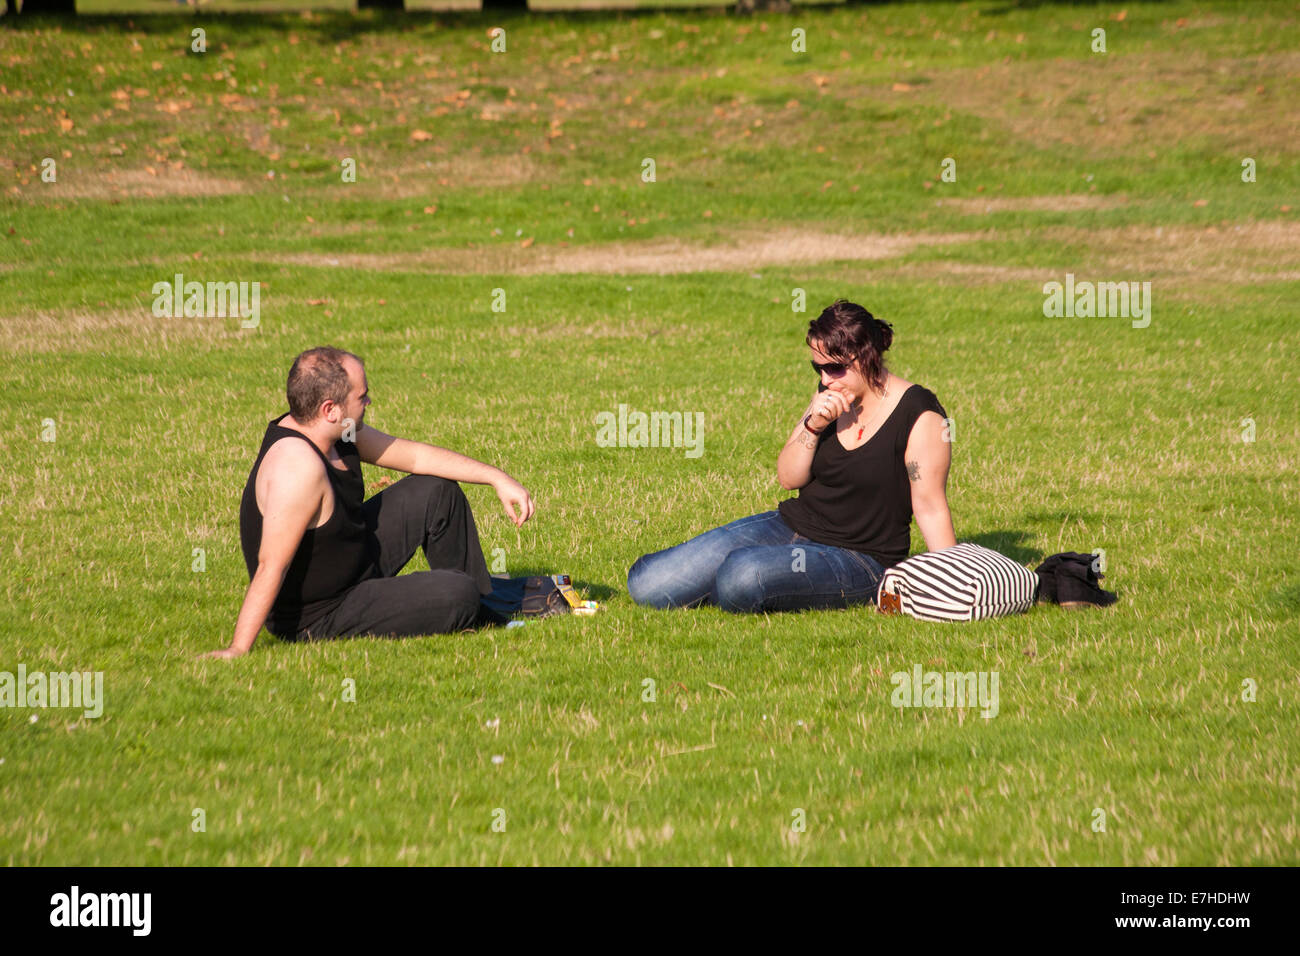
(927, 458)
(794, 464)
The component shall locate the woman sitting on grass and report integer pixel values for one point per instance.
(869, 451)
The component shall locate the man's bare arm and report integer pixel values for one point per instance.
(294, 494)
(419, 458)
(259, 597)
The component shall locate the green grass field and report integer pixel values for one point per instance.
(775, 171)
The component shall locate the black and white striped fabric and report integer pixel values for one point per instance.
(966, 582)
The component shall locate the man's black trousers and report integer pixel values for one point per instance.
(430, 514)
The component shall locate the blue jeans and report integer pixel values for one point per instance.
(754, 564)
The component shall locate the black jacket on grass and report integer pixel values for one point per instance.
(1068, 578)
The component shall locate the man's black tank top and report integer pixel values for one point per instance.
(861, 499)
(330, 559)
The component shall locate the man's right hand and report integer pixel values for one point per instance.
(291, 486)
(225, 653)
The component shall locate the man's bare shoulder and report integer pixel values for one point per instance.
(294, 459)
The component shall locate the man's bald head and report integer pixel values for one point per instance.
(318, 375)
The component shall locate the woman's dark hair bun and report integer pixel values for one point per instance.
(884, 335)
(849, 333)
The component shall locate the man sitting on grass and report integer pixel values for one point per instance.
(322, 562)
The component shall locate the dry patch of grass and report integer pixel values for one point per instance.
(121, 329)
(493, 259)
(1251, 252)
(1247, 253)
(1077, 202)
(463, 170)
(739, 251)
(1113, 104)
(748, 250)
(150, 182)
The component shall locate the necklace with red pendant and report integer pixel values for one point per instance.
(883, 395)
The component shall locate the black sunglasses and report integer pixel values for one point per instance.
(833, 369)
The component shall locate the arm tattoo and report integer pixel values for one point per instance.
(913, 471)
(806, 438)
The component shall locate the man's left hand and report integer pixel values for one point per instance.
(514, 496)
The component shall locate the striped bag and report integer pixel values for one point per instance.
(966, 582)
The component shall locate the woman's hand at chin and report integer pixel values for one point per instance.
(827, 407)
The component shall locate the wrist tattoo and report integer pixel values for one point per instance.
(913, 471)
(807, 439)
